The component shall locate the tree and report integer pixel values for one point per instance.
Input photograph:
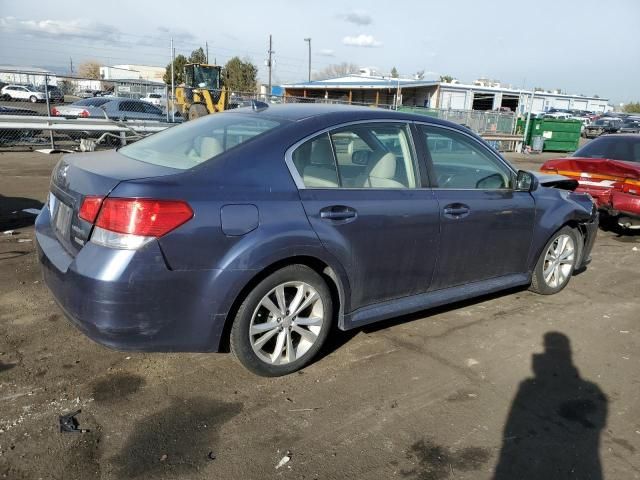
(66, 86)
(178, 71)
(337, 70)
(446, 78)
(394, 73)
(90, 69)
(240, 75)
(632, 107)
(198, 56)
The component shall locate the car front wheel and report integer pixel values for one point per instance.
(283, 322)
(33, 99)
(556, 263)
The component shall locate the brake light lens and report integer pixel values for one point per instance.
(90, 208)
(84, 114)
(142, 216)
(55, 112)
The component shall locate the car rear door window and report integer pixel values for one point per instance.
(131, 106)
(369, 155)
(151, 109)
(460, 162)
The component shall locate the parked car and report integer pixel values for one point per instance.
(263, 226)
(111, 107)
(601, 126)
(22, 92)
(607, 168)
(55, 94)
(156, 99)
(630, 125)
(87, 93)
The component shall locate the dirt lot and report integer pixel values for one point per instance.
(425, 397)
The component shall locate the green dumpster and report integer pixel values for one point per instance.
(559, 135)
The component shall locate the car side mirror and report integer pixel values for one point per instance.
(526, 181)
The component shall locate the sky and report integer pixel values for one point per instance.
(580, 46)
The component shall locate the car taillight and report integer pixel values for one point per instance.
(83, 114)
(132, 222)
(631, 186)
(90, 208)
(55, 112)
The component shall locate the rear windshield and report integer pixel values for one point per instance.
(613, 147)
(92, 102)
(194, 142)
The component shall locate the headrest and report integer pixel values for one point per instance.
(321, 153)
(385, 167)
(210, 147)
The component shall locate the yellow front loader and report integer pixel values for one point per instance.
(202, 92)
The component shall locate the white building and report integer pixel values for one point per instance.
(127, 72)
(26, 75)
(482, 95)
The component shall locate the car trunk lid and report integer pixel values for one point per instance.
(90, 174)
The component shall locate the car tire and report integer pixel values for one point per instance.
(33, 99)
(269, 340)
(557, 262)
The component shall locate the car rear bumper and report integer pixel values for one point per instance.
(613, 202)
(130, 300)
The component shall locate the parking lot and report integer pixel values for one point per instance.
(430, 396)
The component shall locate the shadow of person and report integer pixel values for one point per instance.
(553, 428)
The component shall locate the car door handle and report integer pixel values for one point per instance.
(456, 210)
(337, 213)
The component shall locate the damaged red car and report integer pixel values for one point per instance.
(608, 168)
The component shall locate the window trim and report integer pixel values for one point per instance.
(297, 178)
(492, 153)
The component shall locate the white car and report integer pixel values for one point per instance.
(156, 99)
(22, 92)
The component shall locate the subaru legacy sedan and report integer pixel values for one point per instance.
(261, 228)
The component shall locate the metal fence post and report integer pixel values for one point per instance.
(46, 96)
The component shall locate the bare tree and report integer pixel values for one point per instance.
(89, 69)
(336, 70)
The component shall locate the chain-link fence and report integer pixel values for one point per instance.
(90, 113)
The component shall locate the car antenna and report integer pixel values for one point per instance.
(258, 106)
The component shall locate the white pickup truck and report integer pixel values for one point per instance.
(156, 99)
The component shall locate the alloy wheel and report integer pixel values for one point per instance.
(286, 323)
(558, 261)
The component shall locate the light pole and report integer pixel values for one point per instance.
(308, 40)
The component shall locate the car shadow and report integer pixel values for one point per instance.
(625, 235)
(555, 421)
(12, 214)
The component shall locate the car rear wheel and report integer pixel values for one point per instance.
(283, 322)
(33, 99)
(556, 263)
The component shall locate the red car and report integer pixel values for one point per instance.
(608, 168)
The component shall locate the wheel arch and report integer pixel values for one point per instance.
(334, 276)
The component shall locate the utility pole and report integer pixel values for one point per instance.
(308, 40)
(206, 45)
(71, 65)
(270, 64)
(173, 87)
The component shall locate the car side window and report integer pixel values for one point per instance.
(460, 162)
(151, 109)
(373, 155)
(316, 164)
(131, 107)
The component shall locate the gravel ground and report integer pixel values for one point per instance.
(511, 386)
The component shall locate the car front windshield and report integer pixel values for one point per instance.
(192, 143)
(613, 147)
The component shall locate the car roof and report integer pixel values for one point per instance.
(337, 113)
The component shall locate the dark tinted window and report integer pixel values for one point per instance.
(151, 109)
(131, 106)
(91, 102)
(614, 147)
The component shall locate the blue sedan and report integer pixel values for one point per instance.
(261, 228)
